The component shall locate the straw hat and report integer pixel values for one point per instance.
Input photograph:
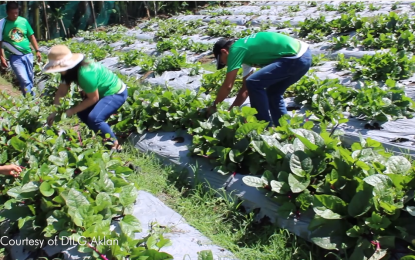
(61, 59)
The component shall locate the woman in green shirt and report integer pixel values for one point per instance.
(104, 92)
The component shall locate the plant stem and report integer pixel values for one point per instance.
(99, 253)
(79, 137)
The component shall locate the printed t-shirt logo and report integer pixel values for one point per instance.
(16, 35)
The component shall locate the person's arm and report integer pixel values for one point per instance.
(242, 94)
(32, 39)
(2, 56)
(226, 87)
(31, 36)
(60, 93)
(91, 98)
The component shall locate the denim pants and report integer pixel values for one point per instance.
(22, 66)
(266, 87)
(95, 116)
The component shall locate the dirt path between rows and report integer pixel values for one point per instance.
(8, 87)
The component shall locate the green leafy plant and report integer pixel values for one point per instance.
(69, 187)
(393, 65)
(294, 8)
(345, 7)
(211, 82)
(373, 8)
(153, 108)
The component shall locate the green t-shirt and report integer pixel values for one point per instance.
(96, 76)
(15, 36)
(260, 49)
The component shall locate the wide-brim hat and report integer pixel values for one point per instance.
(60, 58)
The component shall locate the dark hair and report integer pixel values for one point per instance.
(71, 75)
(229, 43)
(222, 44)
(11, 5)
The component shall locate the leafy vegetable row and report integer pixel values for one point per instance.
(70, 187)
(380, 31)
(328, 99)
(362, 197)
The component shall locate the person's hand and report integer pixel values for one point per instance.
(11, 169)
(210, 111)
(69, 112)
(4, 63)
(51, 118)
(39, 56)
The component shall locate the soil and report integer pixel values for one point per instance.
(10, 90)
(207, 59)
(7, 86)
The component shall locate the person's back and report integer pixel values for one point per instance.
(97, 76)
(264, 47)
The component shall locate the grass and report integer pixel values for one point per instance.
(209, 66)
(5, 84)
(217, 215)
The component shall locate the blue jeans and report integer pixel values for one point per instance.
(266, 87)
(96, 115)
(22, 66)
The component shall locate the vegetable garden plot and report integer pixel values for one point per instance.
(147, 116)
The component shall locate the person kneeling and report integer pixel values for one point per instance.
(104, 92)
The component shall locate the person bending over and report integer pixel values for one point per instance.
(104, 92)
(283, 61)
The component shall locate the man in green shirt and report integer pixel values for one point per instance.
(16, 34)
(283, 61)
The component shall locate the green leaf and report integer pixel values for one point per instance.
(361, 203)
(379, 254)
(329, 206)
(298, 184)
(301, 163)
(249, 127)
(379, 181)
(46, 189)
(397, 165)
(286, 210)
(30, 187)
(75, 199)
(3, 157)
(57, 160)
(163, 242)
(128, 195)
(17, 144)
(309, 138)
(103, 200)
(130, 224)
(332, 235)
(280, 187)
(359, 251)
(316, 222)
(253, 181)
(355, 231)
(205, 255)
(377, 221)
